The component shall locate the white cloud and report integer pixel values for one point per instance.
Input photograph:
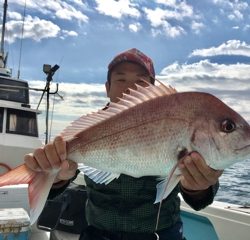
(235, 10)
(234, 4)
(117, 9)
(56, 8)
(230, 83)
(171, 18)
(66, 33)
(14, 15)
(70, 33)
(177, 9)
(78, 2)
(236, 27)
(197, 26)
(68, 12)
(78, 99)
(38, 28)
(231, 47)
(170, 3)
(158, 16)
(34, 28)
(246, 27)
(206, 68)
(236, 15)
(173, 31)
(135, 27)
(157, 19)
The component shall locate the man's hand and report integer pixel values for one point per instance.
(52, 156)
(196, 174)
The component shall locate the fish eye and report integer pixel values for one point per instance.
(228, 126)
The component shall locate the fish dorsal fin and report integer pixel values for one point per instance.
(128, 100)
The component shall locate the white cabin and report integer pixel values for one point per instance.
(18, 123)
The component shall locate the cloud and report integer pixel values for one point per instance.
(246, 27)
(156, 17)
(42, 22)
(158, 21)
(205, 68)
(14, 15)
(135, 27)
(231, 47)
(236, 27)
(117, 9)
(170, 17)
(235, 10)
(177, 9)
(197, 26)
(77, 2)
(68, 12)
(66, 33)
(34, 28)
(228, 82)
(59, 9)
(78, 99)
(236, 15)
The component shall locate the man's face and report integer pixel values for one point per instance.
(124, 76)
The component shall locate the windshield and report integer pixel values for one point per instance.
(12, 90)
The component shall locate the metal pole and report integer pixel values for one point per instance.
(5, 5)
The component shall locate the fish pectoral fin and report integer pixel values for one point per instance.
(165, 187)
(98, 176)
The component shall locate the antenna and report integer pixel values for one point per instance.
(2, 57)
(21, 44)
(49, 71)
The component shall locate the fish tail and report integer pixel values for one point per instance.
(39, 186)
(18, 175)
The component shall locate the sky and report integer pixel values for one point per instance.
(195, 45)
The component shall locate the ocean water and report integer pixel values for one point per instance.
(235, 184)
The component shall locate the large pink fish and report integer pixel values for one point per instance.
(145, 134)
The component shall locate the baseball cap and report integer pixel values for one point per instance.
(136, 56)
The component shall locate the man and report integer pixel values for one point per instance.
(124, 208)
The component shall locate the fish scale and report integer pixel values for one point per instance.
(133, 135)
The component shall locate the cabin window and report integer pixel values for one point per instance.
(13, 90)
(21, 122)
(1, 119)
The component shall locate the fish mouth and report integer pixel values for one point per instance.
(242, 148)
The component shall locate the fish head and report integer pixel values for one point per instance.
(219, 134)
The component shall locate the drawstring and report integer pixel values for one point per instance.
(157, 236)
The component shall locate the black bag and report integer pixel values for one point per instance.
(66, 212)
